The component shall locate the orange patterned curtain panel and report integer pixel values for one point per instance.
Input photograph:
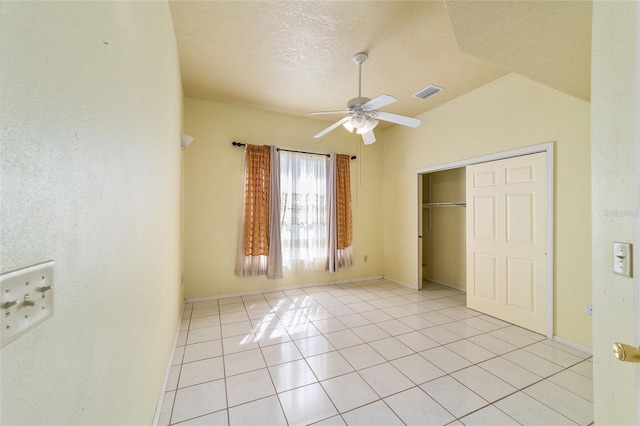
(343, 202)
(256, 208)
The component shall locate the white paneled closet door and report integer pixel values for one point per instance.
(507, 240)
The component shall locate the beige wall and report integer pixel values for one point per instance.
(91, 104)
(616, 199)
(444, 228)
(508, 113)
(213, 194)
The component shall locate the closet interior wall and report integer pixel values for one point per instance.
(443, 228)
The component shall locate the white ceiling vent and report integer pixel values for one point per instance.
(427, 91)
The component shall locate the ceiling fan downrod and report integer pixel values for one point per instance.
(359, 59)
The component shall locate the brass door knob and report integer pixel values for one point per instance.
(626, 352)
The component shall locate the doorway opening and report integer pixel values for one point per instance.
(443, 228)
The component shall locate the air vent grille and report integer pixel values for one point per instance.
(427, 91)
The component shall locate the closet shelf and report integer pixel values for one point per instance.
(453, 204)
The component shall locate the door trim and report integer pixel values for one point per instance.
(534, 149)
(636, 188)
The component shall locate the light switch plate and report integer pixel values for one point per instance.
(622, 259)
(26, 299)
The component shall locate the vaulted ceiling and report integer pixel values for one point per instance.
(295, 57)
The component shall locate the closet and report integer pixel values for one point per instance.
(443, 228)
(486, 229)
(508, 240)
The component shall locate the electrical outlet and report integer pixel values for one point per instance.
(26, 299)
(366, 258)
(589, 309)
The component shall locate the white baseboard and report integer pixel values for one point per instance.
(573, 345)
(271, 290)
(412, 287)
(447, 285)
(163, 391)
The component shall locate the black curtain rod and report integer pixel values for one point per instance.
(234, 143)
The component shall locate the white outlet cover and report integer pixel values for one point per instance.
(26, 299)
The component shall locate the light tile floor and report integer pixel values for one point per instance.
(368, 353)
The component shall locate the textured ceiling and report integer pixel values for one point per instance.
(295, 56)
(546, 41)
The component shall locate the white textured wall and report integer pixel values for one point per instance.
(616, 199)
(91, 104)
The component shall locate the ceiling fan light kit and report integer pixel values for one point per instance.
(363, 112)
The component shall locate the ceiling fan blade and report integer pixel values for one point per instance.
(344, 111)
(398, 119)
(379, 102)
(333, 126)
(369, 137)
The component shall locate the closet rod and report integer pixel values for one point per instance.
(234, 143)
(455, 204)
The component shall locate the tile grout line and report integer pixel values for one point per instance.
(277, 394)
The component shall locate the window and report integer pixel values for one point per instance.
(296, 213)
(303, 211)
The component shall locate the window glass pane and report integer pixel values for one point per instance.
(303, 215)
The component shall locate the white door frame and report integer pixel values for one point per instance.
(636, 186)
(545, 147)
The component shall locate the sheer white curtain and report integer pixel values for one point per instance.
(274, 261)
(303, 207)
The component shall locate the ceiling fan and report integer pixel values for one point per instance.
(363, 112)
